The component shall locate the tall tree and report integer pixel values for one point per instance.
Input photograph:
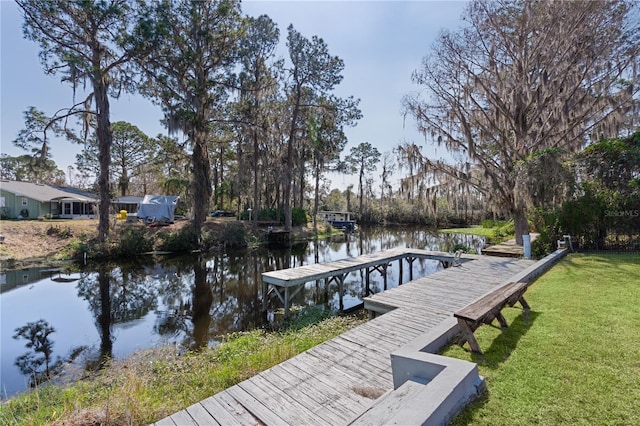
(258, 80)
(527, 76)
(189, 76)
(363, 159)
(80, 41)
(388, 167)
(33, 139)
(326, 138)
(410, 155)
(314, 71)
(131, 150)
(25, 168)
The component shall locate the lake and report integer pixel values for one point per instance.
(115, 308)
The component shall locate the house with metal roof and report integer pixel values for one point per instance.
(25, 200)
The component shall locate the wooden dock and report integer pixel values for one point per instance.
(335, 382)
(507, 249)
(287, 282)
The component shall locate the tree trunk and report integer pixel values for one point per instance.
(105, 138)
(521, 224)
(288, 172)
(201, 183)
(361, 191)
(301, 177)
(316, 201)
(255, 179)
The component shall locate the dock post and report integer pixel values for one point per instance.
(400, 271)
(410, 260)
(384, 274)
(367, 283)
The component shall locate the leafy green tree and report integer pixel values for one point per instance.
(189, 75)
(80, 40)
(22, 168)
(313, 74)
(131, 150)
(363, 159)
(524, 77)
(34, 139)
(258, 82)
(335, 201)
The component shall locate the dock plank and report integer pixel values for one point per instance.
(223, 415)
(234, 407)
(201, 416)
(257, 409)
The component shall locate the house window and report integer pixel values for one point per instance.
(25, 201)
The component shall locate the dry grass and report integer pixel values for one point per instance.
(32, 241)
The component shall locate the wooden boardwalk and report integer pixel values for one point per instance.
(508, 248)
(335, 382)
(282, 281)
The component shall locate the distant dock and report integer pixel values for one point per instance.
(507, 249)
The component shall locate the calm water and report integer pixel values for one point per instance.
(114, 309)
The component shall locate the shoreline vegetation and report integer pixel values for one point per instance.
(40, 242)
(583, 319)
(30, 243)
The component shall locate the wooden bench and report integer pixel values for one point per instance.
(488, 308)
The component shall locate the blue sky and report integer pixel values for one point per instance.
(381, 43)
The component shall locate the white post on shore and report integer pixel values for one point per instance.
(526, 243)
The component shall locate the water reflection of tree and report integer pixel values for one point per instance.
(202, 299)
(209, 298)
(30, 363)
(117, 294)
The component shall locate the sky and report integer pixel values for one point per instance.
(381, 43)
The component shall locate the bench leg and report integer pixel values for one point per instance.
(524, 304)
(502, 321)
(467, 335)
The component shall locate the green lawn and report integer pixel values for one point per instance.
(472, 230)
(575, 360)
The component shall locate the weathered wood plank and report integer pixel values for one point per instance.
(389, 339)
(183, 418)
(167, 421)
(255, 407)
(330, 402)
(350, 361)
(279, 401)
(348, 376)
(234, 407)
(331, 377)
(201, 416)
(223, 415)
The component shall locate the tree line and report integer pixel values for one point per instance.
(511, 97)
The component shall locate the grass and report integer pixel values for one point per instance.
(575, 360)
(151, 385)
(472, 230)
(494, 231)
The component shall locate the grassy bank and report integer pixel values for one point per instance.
(575, 360)
(153, 384)
(494, 231)
(472, 230)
